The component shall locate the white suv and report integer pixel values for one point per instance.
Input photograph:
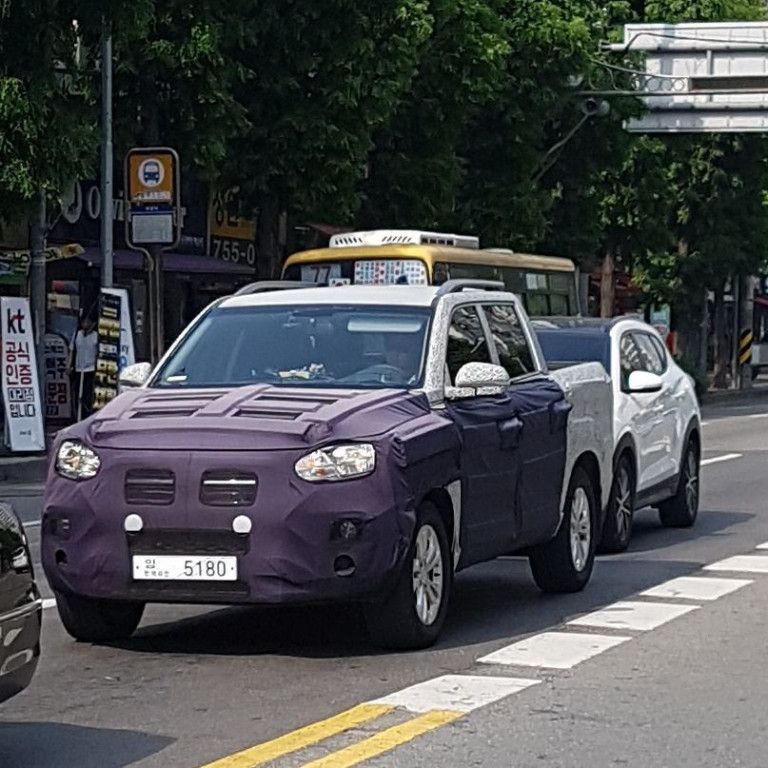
(656, 419)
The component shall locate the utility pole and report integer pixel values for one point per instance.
(37, 279)
(107, 162)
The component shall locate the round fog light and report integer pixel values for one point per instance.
(133, 524)
(242, 524)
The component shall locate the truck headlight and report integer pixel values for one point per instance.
(77, 461)
(337, 462)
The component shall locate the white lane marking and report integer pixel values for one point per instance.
(762, 546)
(33, 524)
(718, 459)
(554, 650)
(636, 616)
(49, 602)
(458, 693)
(704, 423)
(745, 563)
(758, 416)
(696, 588)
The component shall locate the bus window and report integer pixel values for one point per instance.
(558, 304)
(514, 280)
(456, 271)
(537, 304)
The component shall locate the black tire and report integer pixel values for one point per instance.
(617, 529)
(682, 509)
(396, 623)
(554, 564)
(98, 621)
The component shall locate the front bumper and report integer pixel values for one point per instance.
(291, 554)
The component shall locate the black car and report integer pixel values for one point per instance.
(20, 608)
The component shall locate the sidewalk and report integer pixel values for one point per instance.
(23, 469)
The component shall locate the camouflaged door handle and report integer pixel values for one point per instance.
(510, 431)
(558, 416)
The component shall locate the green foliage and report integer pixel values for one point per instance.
(46, 135)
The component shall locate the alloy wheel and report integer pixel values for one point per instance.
(581, 529)
(428, 575)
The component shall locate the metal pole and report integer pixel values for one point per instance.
(736, 290)
(37, 278)
(107, 166)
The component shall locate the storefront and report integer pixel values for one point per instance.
(191, 277)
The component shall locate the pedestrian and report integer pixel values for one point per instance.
(83, 363)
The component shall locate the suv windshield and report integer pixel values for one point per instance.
(318, 346)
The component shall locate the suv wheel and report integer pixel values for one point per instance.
(98, 621)
(617, 529)
(682, 509)
(413, 615)
(565, 563)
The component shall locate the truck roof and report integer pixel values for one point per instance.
(372, 295)
(396, 295)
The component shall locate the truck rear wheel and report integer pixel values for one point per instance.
(565, 563)
(413, 615)
(98, 621)
(617, 529)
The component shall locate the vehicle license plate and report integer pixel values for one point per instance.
(184, 568)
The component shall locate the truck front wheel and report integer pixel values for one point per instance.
(565, 563)
(414, 613)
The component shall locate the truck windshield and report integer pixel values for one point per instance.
(314, 346)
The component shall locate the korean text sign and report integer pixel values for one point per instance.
(20, 385)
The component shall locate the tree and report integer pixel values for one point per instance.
(321, 78)
(47, 130)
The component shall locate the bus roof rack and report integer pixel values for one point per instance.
(456, 286)
(264, 286)
(376, 237)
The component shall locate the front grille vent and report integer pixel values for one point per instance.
(224, 488)
(150, 486)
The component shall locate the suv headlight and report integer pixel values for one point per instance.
(77, 461)
(337, 462)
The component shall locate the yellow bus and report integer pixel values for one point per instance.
(546, 284)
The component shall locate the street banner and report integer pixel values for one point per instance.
(20, 385)
(127, 348)
(108, 350)
(58, 395)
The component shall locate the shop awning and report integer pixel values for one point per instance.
(172, 262)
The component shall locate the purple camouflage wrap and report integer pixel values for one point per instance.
(289, 554)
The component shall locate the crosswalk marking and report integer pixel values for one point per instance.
(458, 693)
(636, 616)
(718, 459)
(745, 563)
(696, 588)
(553, 650)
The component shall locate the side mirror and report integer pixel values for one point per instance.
(135, 375)
(640, 382)
(482, 378)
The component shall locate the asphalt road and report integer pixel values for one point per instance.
(197, 685)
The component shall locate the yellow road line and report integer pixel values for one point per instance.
(385, 741)
(303, 737)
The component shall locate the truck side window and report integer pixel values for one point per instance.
(515, 354)
(466, 341)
